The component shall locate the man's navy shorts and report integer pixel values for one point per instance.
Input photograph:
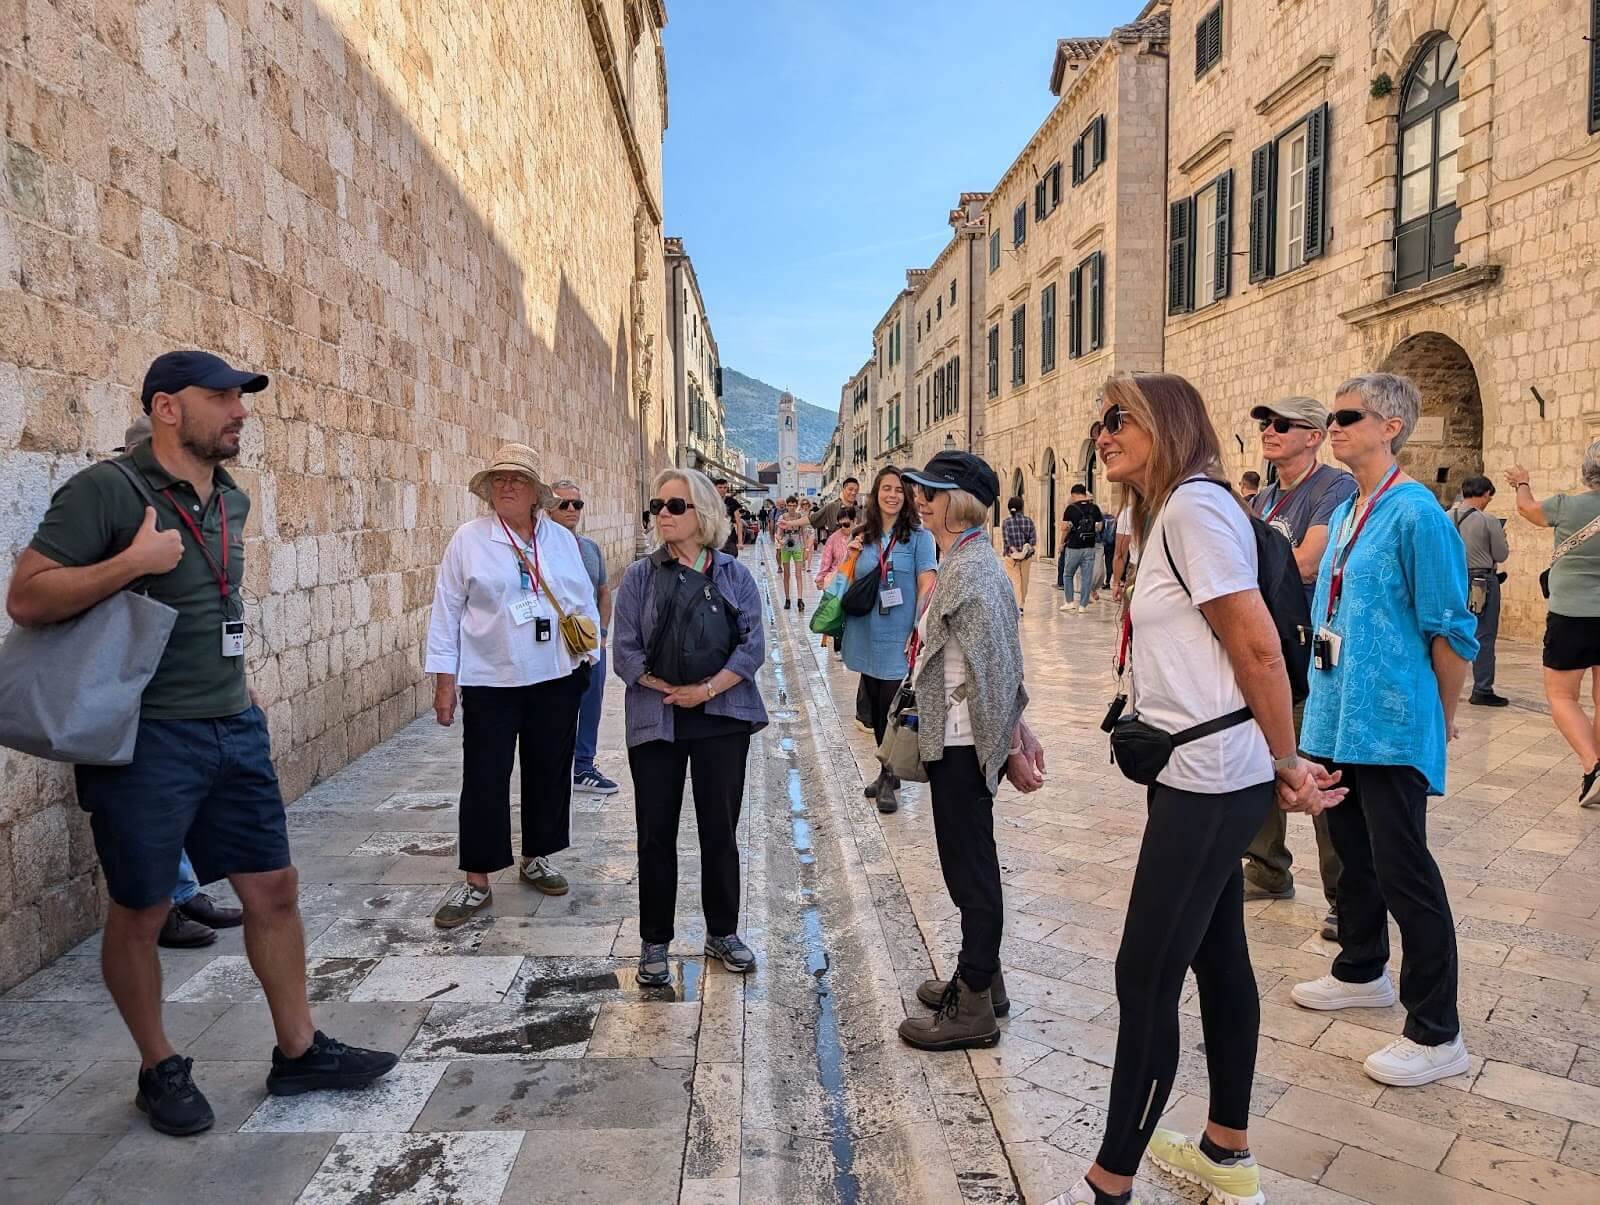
(205, 786)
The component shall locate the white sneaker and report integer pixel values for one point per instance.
(1329, 994)
(1082, 610)
(1079, 1194)
(1066, 606)
(1407, 1064)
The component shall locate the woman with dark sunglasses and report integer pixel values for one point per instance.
(689, 643)
(1393, 642)
(1204, 651)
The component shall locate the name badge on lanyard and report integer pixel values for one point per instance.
(1326, 643)
(889, 595)
(232, 629)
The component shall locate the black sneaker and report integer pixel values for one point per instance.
(1589, 792)
(168, 1095)
(1489, 700)
(327, 1064)
(180, 932)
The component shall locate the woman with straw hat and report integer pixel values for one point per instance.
(507, 581)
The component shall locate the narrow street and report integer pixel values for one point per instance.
(536, 1069)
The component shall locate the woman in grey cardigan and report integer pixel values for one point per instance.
(967, 675)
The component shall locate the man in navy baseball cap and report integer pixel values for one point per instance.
(175, 371)
(958, 471)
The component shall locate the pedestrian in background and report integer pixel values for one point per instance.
(1080, 532)
(1298, 503)
(566, 504)
(1487, 549)
(1249, 485)
(1108, 547)
(690, 642)
(201, 780)
(1020, 541)
(809, 532)
(1392, 643)
(735, 538)
(791, 537)
(826, 519)
(967, 676)
(835, 552)
(1572, 627)
(503, 586)
(893, 546)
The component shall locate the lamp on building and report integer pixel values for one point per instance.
(949, 442)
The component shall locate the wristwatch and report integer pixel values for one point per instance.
(1285, 763)
(711, 691)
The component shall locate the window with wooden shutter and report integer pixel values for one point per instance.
(955, 383)
(1075, 313)
(994, 251)
(1208, 42)
(1047, 328)
(994, 360)
(1038, 200)
(1055, 179)
(1180, 295)
(1316, 213)
(1099, 129)
(952, 292)
(1019, 225)
(1097, 300)
(1222, 277)
(1077, 163)
(1019, 344)
(1262, 210)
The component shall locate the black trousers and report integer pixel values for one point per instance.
(1186, 910)
(880, 694)
(716, 764)
(963, 829)
(1381, 834)
(495, 720)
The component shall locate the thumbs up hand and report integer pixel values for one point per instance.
(154, 552)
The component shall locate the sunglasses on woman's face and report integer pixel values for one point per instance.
(570, 504)
(1284, 425)
(1110, 422)
(1349, 418)
(673, 506)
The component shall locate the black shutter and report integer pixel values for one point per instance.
(1261, 210)
(994, 360)
(1077, 162)
(1316, 180)
(1594, 69)
(1097, 301)
(1100, 140)
(1224, 281)
(1180, 256)
(1074, 313)
(955, 383)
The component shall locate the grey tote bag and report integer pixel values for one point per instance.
(70, 691)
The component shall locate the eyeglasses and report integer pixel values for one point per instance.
(1349, 418)
(1284, 425)
(507, 479)
(673, 506)
(1110, 422)
(570, 504)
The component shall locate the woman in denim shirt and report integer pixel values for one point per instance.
(875, 643)
(697, 728)
(1394, 639)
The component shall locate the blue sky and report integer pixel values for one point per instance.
(815, 149)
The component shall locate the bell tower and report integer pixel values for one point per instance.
(788, 448)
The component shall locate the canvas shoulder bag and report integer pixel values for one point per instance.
(1590, 530)
(71, 691)
(579, 633)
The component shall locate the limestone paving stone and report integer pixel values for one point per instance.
(390, 1104)
(26, 1086)
(100, 1101)
(502, 1031)
(415, 1169)
(574, 1094)
(38, 1169)
(439, 978)
(212, 1167)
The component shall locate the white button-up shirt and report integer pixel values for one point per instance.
(474, 633)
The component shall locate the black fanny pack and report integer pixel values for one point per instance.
(1141, 751)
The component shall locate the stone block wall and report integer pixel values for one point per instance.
(425, 220)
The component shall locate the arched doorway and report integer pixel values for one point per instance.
(1447, 445)
(1047, 518)
(1017, 491)
(1090, 462)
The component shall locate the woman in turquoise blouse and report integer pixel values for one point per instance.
(1394, 640)
(875, 643)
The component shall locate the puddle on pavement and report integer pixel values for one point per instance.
(537, 1034)
(685, 986)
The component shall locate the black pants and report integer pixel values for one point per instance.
(1381, 834)
(880, 694)
(717, 766)
(963, 828)
(543, 719)
(1186, 910)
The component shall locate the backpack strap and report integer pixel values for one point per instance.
(139, 585)
(1583, 536)
(1211, 727)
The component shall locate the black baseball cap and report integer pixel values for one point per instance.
(174, 370)
(958, 471)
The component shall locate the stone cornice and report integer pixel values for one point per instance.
(1088, 236)
(1049, 266)
(606, 53)
(1274, 100)
(1221, 142)
(1462, 281)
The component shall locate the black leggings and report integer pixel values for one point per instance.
(1186, 910)
(880, 694)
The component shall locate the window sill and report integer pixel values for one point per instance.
(1462, 280)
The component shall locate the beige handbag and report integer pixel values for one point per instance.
(579, 633)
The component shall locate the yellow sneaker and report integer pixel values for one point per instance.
(1229, 1183)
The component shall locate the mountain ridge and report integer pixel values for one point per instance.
(750, 407)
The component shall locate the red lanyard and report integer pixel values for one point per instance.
(883, 561)
(1284, 495)
(915, 645)
(538, 573)
(1341, 557)
(221, 570)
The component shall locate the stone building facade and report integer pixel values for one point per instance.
(895, 357)
(856, 410)
(1073, 229)
(411, 251)
(1426, 200)
(948, 312)
(696, 369)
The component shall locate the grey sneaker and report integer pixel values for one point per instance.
(460, 904)
(541, 875)
(654, 969)
(735, 955)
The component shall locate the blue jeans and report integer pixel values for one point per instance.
(1080, 564)
(188, 886)
(589, 718)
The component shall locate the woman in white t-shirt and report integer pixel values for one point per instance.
(1203, 646)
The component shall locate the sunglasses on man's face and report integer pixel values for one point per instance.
(1349, 418)
(1284, 425)
(570, 504)
(673, 506)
